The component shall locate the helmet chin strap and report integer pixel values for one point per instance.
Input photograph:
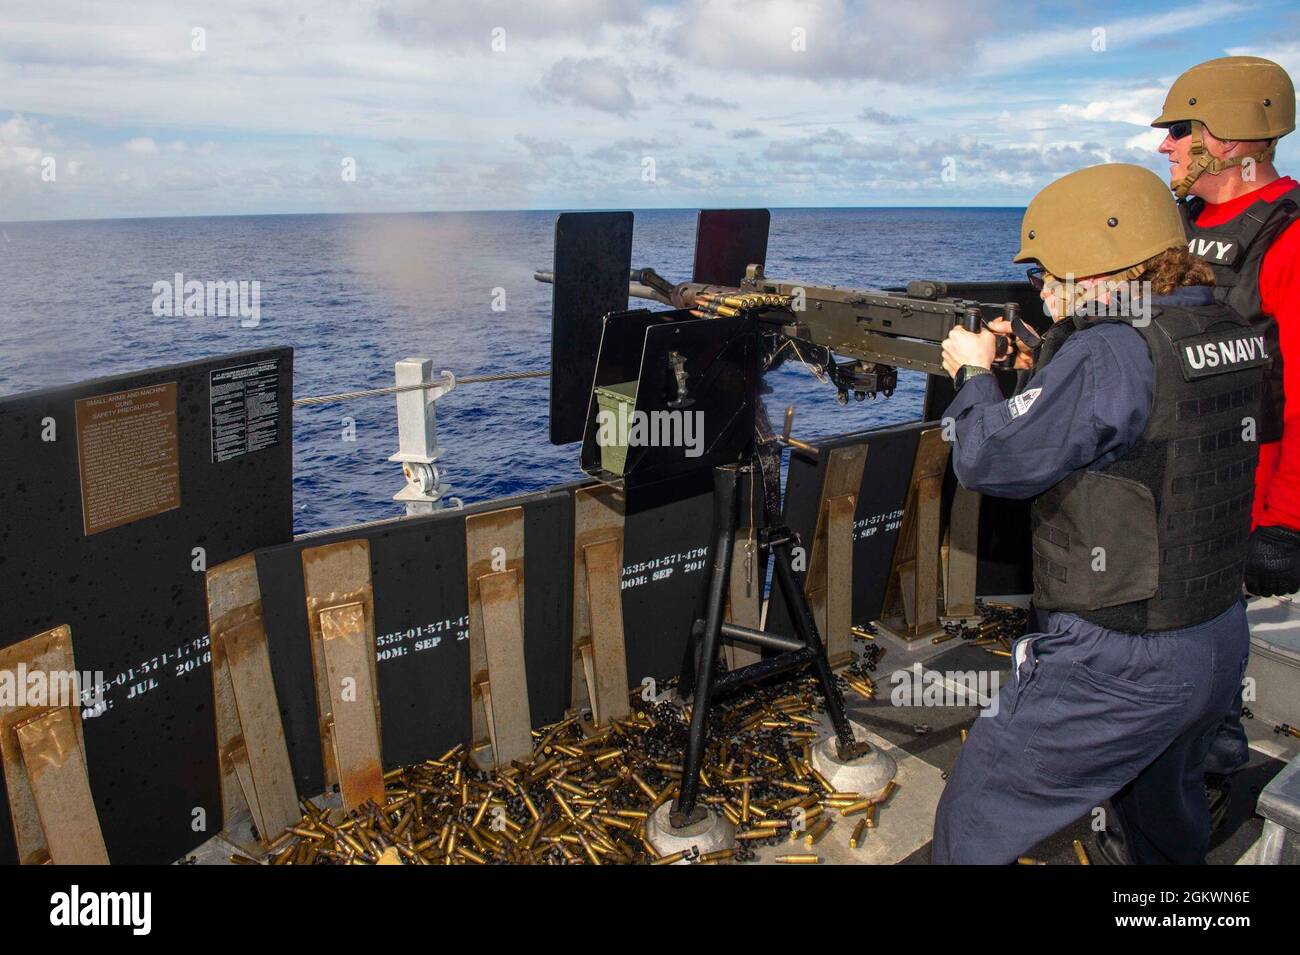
(1203, 162)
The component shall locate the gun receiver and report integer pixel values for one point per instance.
(877, 331)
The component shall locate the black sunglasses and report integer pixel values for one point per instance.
(1037, 277)
(1180, 129)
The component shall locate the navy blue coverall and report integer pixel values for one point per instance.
(1089, 713)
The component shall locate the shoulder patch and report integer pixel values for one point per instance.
(1021, 403)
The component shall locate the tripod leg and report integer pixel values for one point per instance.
(806, 628)
(724, 535)
(690, 660)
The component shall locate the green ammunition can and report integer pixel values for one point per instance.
(615, 404)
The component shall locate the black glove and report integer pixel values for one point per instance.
(1273, 562)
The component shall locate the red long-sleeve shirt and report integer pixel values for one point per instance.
(1277, 479)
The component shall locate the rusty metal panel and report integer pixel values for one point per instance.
(250, 734)
(347, 642)
(830, 565)
(340, 616)
(42, 749)
(55, 761)
(914, 577)
(963, 554)
(503, 640)
(609, 652)
(598, 620)
(494, 549)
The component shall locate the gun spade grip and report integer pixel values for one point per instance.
(972, 320)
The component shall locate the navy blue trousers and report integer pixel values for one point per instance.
(1091, 714)
(1230, 750)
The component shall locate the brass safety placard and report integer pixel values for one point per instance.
(126, 449)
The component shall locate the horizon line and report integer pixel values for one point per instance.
(425, 212)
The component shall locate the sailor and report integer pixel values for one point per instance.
(1134, 439)
(1223, 119)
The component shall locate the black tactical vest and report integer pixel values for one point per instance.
(1235, 251)
(1156, 539)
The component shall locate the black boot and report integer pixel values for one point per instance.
(1109, 848)
(1218, 790)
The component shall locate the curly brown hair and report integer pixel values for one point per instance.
(1175, 268)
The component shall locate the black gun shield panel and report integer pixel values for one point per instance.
(726, 241)
(593, 255)
(131, 593)
(667, 533)
(418, 574)
(721, 368)
(876, 519)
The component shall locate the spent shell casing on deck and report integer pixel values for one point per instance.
(860, 806)
(814, 835)
(859, 831)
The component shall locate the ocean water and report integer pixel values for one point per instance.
(354, 293)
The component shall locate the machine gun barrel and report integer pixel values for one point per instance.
(870, 326)
(636, 287)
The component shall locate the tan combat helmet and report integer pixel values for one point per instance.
(1103, 220)
(1234, 97)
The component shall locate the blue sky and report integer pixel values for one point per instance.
(586, 103)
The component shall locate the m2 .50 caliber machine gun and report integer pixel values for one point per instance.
(873, 332)
(705, 356)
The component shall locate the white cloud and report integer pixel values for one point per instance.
(1136, 107)
(19, 144)
(1076, 42)
(596, 82)
(1146, 142)
(545, 148)
(470, 25)
(840, 40)
(583, 90)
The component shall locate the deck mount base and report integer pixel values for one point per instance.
(867, 775)
(709, 834)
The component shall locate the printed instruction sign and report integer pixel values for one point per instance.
(126, 450)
